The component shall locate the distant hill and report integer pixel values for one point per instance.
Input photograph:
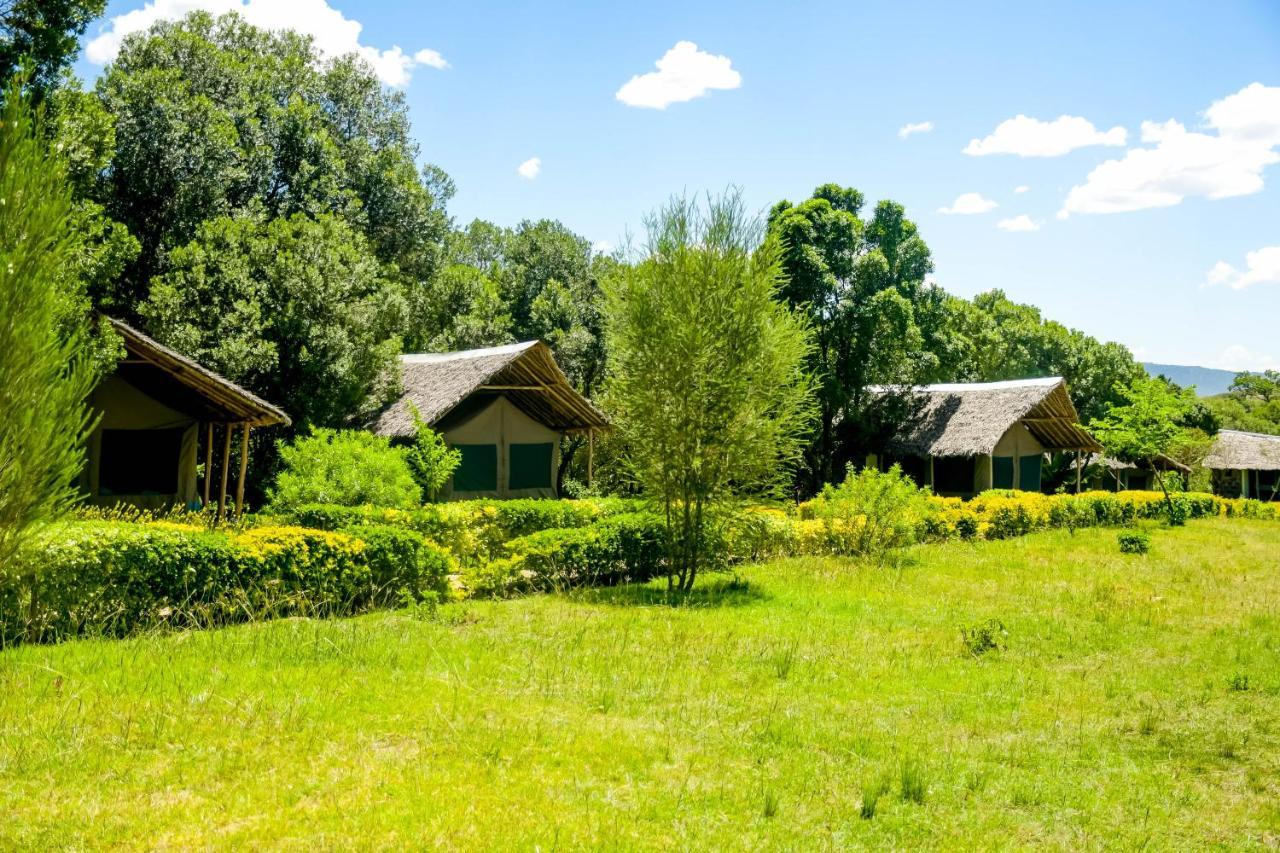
(1208, 380)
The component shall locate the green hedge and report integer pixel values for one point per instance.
(118, 577)
(621, 548)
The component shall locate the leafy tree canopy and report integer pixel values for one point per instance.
(216, 118)
(45, 34)
(1252, 404)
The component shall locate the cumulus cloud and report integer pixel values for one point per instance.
(969, 204)
(914, 127)
(530, 168)
(1261, 267)
(334, 33)
(1021, 222)
(602, 247)
(684, 73)
(1021, 189)
(1227, 162)
(1238, 357)
(1029, 137)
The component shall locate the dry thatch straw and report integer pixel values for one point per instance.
(527, 373)
(1251, 451)
(968, 419)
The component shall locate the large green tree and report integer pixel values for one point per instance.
(216, 118)
(45, 369)
(45, 35)
(296, 309)
(707, 378)
(861, 285)
(1252, 403)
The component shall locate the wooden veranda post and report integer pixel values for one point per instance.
(244, 464)
(208, 460)
(1078, 458)
(591, 454)
(226, 463)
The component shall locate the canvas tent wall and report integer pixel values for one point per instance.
(1245, 464)
(506, 408)
(964, 438)
(156, 410)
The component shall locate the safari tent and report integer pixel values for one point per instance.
(505, 408)
(961, 439)
(160, 413)
(1105, 473)
(1245, 464)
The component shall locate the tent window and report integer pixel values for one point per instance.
(478, 470)
(530, 466)
(1029, 473)
(139, 461)
(953, 474)
(1002, 472)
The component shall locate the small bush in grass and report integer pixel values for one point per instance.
(1134, 542)
(1238, 682)
(983, 637)
(912, 782)
(872, 790)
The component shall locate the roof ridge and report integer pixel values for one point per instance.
(482, 352)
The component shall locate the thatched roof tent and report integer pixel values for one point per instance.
(526, 373)
(1248, 451)
(969, 419)
(1164, 463)
(166, 374)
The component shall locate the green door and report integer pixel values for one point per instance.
(1002, 472)
(1029, 473)
(478, 470)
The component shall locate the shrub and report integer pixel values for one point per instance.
(983, 637)
(872, 513)
(345, 467)
(119, 577)
(1134, 542)
(431, 461)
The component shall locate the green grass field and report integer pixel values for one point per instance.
(812, 704)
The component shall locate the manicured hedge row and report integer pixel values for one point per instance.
(118, 577)
(476, 532)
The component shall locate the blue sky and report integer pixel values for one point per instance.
(820, 92)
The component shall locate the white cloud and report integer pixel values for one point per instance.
(1029, 137)
(914, 127)
(1261, 267)
(1021, 222)
(1228, 162)
(431, 58)
(1021, 189)
(530, 168)
(684, 73)
(602, 247)
(1238, 357)
(334, 33)
(969, 204)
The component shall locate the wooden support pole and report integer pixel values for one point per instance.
(226, 462)
(208, 460)
(591, 454)
(244, 464)
(1078, 460)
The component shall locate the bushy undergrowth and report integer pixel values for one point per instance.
(105, 574)
(119, 577)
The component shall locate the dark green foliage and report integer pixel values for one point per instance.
(44, 33)
(431, 461)
(119, 577)
(217, 118)
(1134, 541)
(295, 309)
(861, 285)
(45, 367)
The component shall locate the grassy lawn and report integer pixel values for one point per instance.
(1135, 701)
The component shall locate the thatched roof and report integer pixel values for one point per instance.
(169, 375)
(1163, 463)
(526, 373)
(968, 419)
(1251, 451)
